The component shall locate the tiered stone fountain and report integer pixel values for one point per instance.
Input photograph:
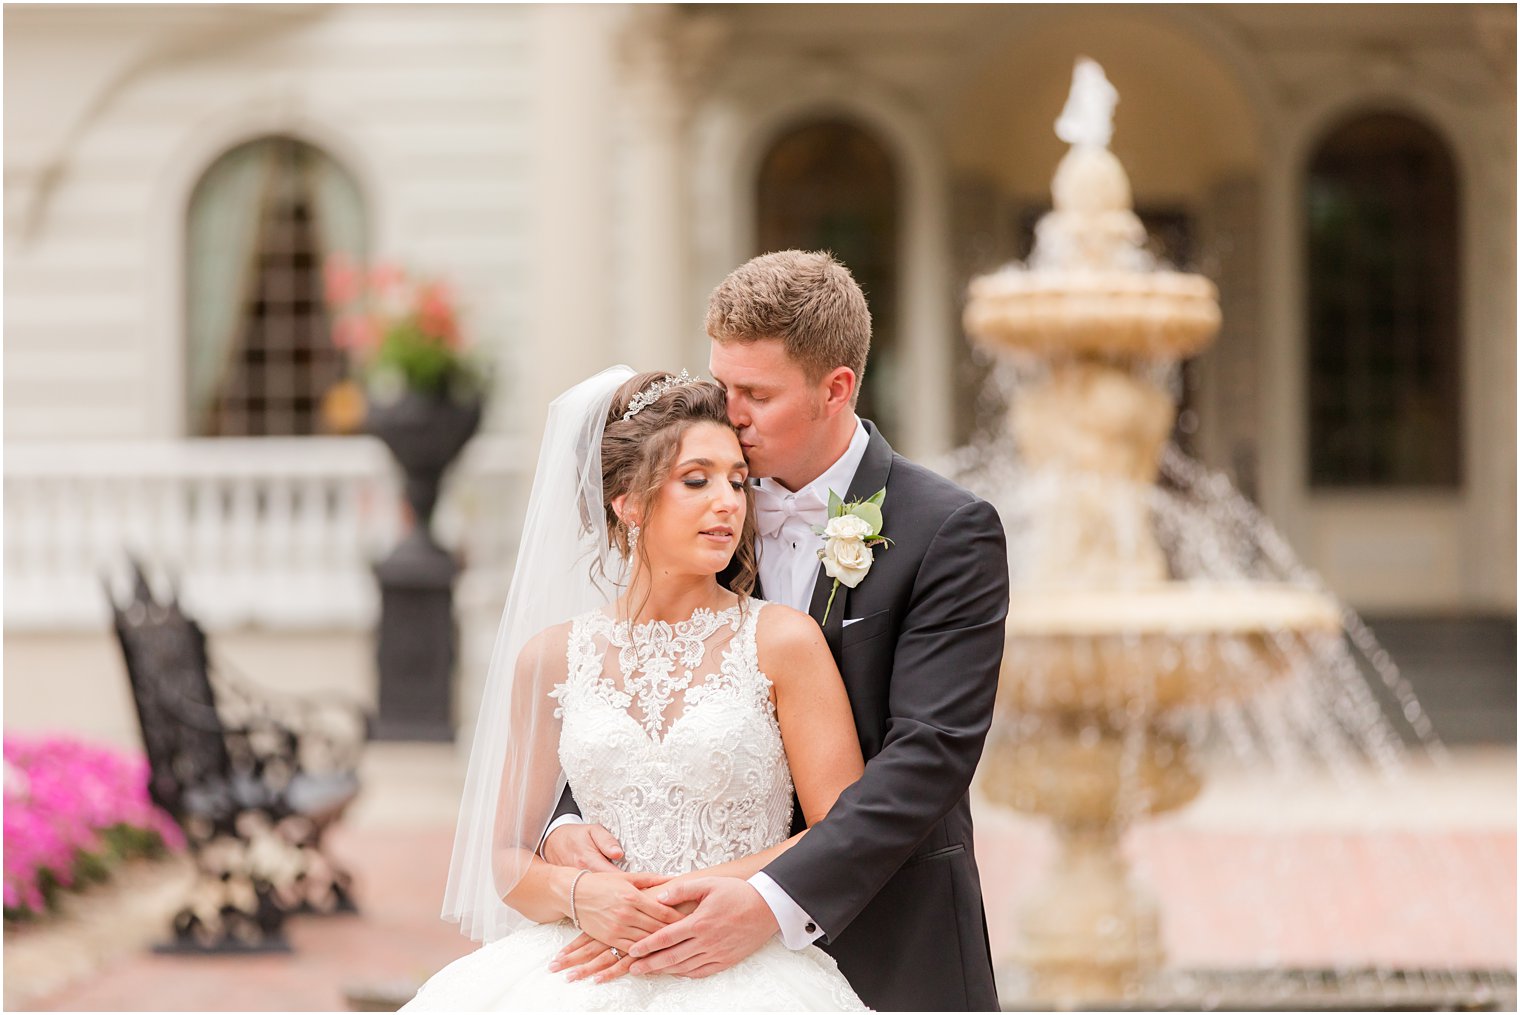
(1105, 642)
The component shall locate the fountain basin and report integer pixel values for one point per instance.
(1083, 780)
(1141, 650)
(1102, 313)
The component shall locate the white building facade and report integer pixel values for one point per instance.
(583, 175)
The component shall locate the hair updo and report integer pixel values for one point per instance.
(638, 454)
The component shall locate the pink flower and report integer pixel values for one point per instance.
(68, 794)
(341, 280)
(356, 333)
(384, 277)
(435, 314)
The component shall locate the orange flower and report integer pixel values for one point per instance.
(343, 407)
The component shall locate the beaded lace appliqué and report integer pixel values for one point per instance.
(679, 791)
(650, 654)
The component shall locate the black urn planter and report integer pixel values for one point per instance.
(416, 645)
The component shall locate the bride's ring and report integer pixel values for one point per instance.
(617, 954)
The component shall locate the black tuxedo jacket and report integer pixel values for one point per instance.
(890, 874)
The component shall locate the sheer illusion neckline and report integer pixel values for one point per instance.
(627, 632)
(646, 669)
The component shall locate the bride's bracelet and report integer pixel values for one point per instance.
(578, 875)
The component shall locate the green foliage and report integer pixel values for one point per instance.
(119, 844)
(425, 364)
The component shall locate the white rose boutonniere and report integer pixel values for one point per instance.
(853, 528)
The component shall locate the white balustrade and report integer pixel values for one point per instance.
(270, 532)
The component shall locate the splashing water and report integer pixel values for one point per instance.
(1380, 899)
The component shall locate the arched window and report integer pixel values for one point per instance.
(1383, 285)
(830, 185)
(260, 223)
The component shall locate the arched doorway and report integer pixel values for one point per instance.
(829, 184)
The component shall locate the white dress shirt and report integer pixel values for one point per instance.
(789, 559)
(788, 572)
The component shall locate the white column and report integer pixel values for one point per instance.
(665, 54)
(1230, 412)
(1488, 372)
(571, 332)
(927, 336)
(1284, 490)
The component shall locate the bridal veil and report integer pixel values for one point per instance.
(566, 566)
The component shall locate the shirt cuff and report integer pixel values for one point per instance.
(798, 930)
(564, 819)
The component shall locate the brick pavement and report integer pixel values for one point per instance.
(400, 876)
(1385, 896)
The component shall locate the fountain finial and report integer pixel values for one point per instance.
(1094, 222)
(1088, 118)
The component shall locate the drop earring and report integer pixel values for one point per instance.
(633, 540)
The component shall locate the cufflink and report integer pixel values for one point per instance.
(811, 928)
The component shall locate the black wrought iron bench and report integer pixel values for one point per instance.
(254, 780)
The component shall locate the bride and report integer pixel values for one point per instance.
(683, 715)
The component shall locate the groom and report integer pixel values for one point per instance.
(887, 883)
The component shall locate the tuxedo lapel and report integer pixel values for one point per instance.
(875, 466)
(834, 628)
(870, 476)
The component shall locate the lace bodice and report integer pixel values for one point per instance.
(670, 740)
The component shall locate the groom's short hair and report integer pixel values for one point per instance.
(807, 299)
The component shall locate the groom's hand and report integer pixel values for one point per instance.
(588, 847)
(614, 909)
(730, 923)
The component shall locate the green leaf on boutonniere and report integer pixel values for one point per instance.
(877, 497)
(869, 513)
(836, 504)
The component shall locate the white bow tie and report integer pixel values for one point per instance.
(773, 506)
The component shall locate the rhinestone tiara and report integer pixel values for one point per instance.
(644, 399)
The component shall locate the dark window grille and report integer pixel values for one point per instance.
(1384, 343)
(278, 360)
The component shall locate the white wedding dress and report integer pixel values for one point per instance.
(670, 741)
